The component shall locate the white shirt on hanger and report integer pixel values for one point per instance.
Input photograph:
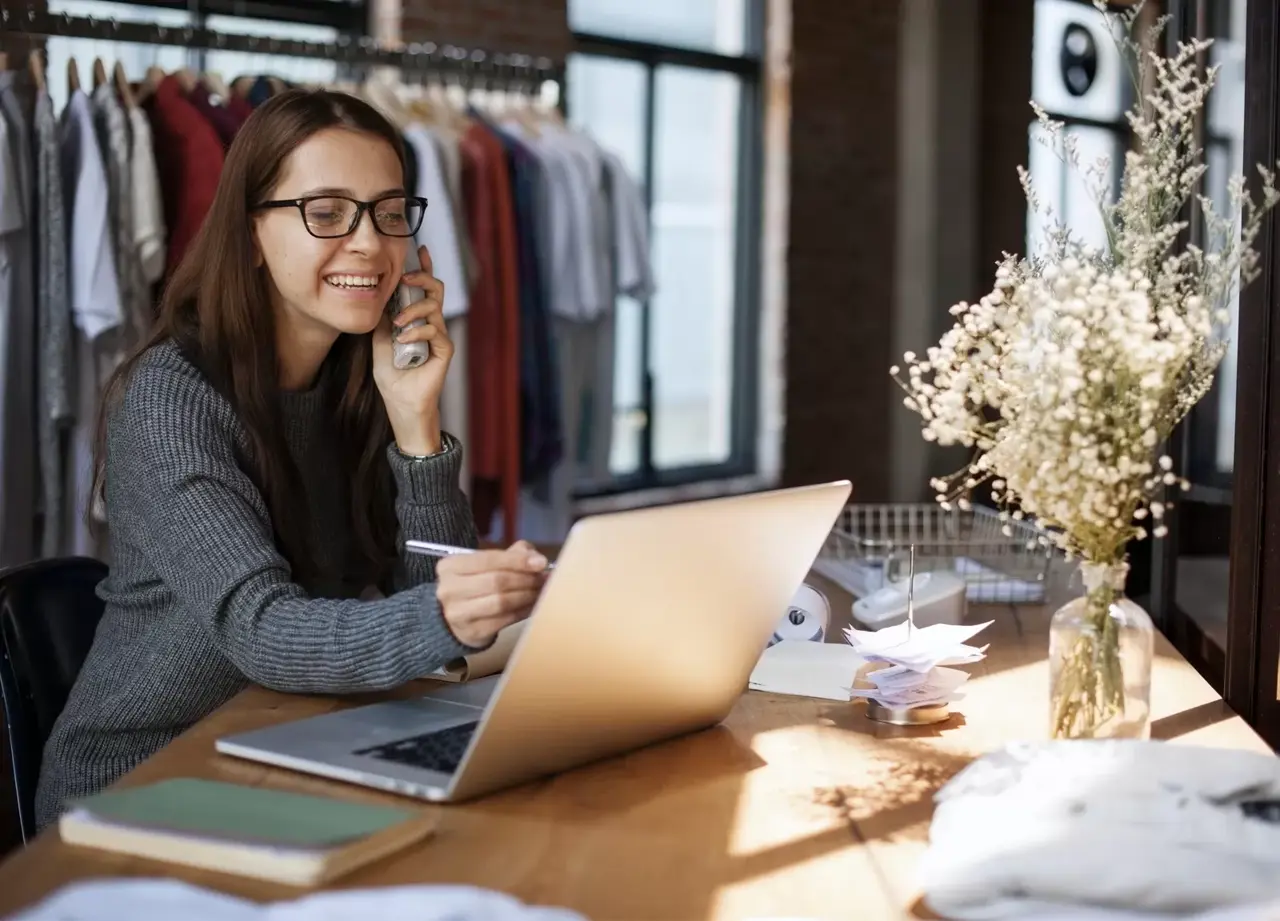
(95, 303)
(148, 206)
(439, 231)
(95, 289)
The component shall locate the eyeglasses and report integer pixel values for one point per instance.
(329, 216)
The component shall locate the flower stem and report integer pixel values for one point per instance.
(1090, 682)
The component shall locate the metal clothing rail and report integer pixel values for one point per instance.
(468, 65)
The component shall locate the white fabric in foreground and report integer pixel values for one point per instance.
(166, 900)
(1037, 828)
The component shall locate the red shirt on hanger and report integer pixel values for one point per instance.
(189, 158)
(493, 329)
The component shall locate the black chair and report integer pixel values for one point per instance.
(49, 612)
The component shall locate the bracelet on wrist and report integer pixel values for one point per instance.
(446, 443)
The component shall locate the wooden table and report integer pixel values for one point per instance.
(793, 807)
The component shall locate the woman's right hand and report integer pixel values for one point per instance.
(482, 592)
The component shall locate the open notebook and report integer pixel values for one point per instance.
(486, 662)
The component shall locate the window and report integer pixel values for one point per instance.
(675, 93)
(302, 20)
(707, 25)
(1079, 78)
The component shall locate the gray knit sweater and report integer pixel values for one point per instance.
(199, 602)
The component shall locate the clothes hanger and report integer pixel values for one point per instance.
(214, 83)
(99, 73)
(123, 90)
(73, 75)
(186, 79)
(379, 93)
(241, 86)
(4, 61)
(35, 64)
(150, 83)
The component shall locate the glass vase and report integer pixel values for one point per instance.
(1100, 651)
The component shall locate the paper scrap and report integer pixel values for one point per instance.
(807, 669)
(919, 648)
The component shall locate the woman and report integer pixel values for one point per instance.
(260, 460)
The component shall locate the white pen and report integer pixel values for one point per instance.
(429, 548)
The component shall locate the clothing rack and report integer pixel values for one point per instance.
(470, 67)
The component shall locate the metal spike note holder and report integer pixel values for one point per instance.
(909, 716)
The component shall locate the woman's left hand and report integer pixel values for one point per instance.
(412, 396)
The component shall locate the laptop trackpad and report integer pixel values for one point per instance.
(471, 693)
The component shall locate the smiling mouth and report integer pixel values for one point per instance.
(353, 282)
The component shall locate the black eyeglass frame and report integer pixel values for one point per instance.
(361, 208)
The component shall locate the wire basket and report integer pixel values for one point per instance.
(868, 549)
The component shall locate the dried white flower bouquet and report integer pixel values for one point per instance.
(1070, 374)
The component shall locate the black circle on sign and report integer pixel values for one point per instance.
(1078, 59)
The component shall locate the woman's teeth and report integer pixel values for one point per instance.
(353, 281)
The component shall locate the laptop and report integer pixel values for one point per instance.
(647, 629)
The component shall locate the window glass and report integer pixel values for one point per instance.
(694, 240)
(707, 25)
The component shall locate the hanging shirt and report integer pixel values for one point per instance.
(240, 108)
(439, 230)
(493, 332)
(573, 221)
(217, 115)
(111, 124)
(541, 437)
(95, 288)
(583, 183)
(632, 264)
(147, 205)
(19, 464)
(96, 307)
(446, 140)
(54, 354)
(189, 155)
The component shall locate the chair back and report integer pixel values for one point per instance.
(49, 613)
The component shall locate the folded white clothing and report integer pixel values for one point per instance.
(1116, 824)
(167, 899)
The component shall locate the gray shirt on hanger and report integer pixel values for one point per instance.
(199, 602)
(19, 465)
(53, 327)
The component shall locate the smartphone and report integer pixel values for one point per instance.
(407, 355)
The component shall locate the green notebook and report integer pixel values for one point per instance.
(247, 815)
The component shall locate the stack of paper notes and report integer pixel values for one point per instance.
(914, 666)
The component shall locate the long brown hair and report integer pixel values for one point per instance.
(217, 309)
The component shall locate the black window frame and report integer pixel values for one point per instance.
(748, 67)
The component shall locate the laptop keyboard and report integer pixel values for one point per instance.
(438, 750)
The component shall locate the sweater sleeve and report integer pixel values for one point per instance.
(430, 506)
(176, 492)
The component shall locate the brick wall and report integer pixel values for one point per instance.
(840, 290)
(529, 26)
(1005, 116)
